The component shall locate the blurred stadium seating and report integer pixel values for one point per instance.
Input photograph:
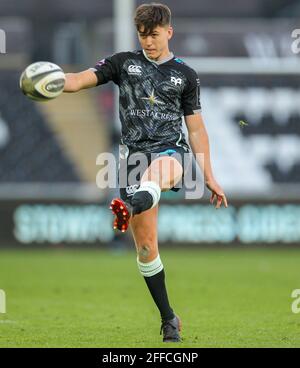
(265, 151)
(248, 72)
(30, 151)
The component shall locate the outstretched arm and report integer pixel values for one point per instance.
(77, 81)
(200, 144)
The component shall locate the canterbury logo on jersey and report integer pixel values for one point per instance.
(131, 189)
(176, 81)
(101, 62)
(134, 70)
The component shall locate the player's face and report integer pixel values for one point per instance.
(156, 45)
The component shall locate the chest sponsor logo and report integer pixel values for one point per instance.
(176, 81)
(134, 70)
(156, 115)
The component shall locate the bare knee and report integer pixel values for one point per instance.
(146, 253)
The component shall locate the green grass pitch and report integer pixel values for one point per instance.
(90, 298)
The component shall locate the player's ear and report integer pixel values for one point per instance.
(170, 32)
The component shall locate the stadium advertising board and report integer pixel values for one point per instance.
(260, 223)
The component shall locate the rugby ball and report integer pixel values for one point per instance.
(42, 81)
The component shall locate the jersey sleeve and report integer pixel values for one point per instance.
(191, 95)
(108, 69)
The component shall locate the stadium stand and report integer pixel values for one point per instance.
(266, 149)
(30, 152)
(267, 103)
(69, 9)
(79, 126)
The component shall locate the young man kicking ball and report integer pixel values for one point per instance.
(156, 90)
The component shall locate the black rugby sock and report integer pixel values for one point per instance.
(157, 287)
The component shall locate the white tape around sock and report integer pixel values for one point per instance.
(151, 268)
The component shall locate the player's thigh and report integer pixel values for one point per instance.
(144, 231)
(167, 169)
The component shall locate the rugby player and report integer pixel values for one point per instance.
(156, 89)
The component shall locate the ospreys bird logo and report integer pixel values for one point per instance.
(153, 99)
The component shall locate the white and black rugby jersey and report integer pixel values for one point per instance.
(153, 98)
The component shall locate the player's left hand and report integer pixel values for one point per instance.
(217, 193)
